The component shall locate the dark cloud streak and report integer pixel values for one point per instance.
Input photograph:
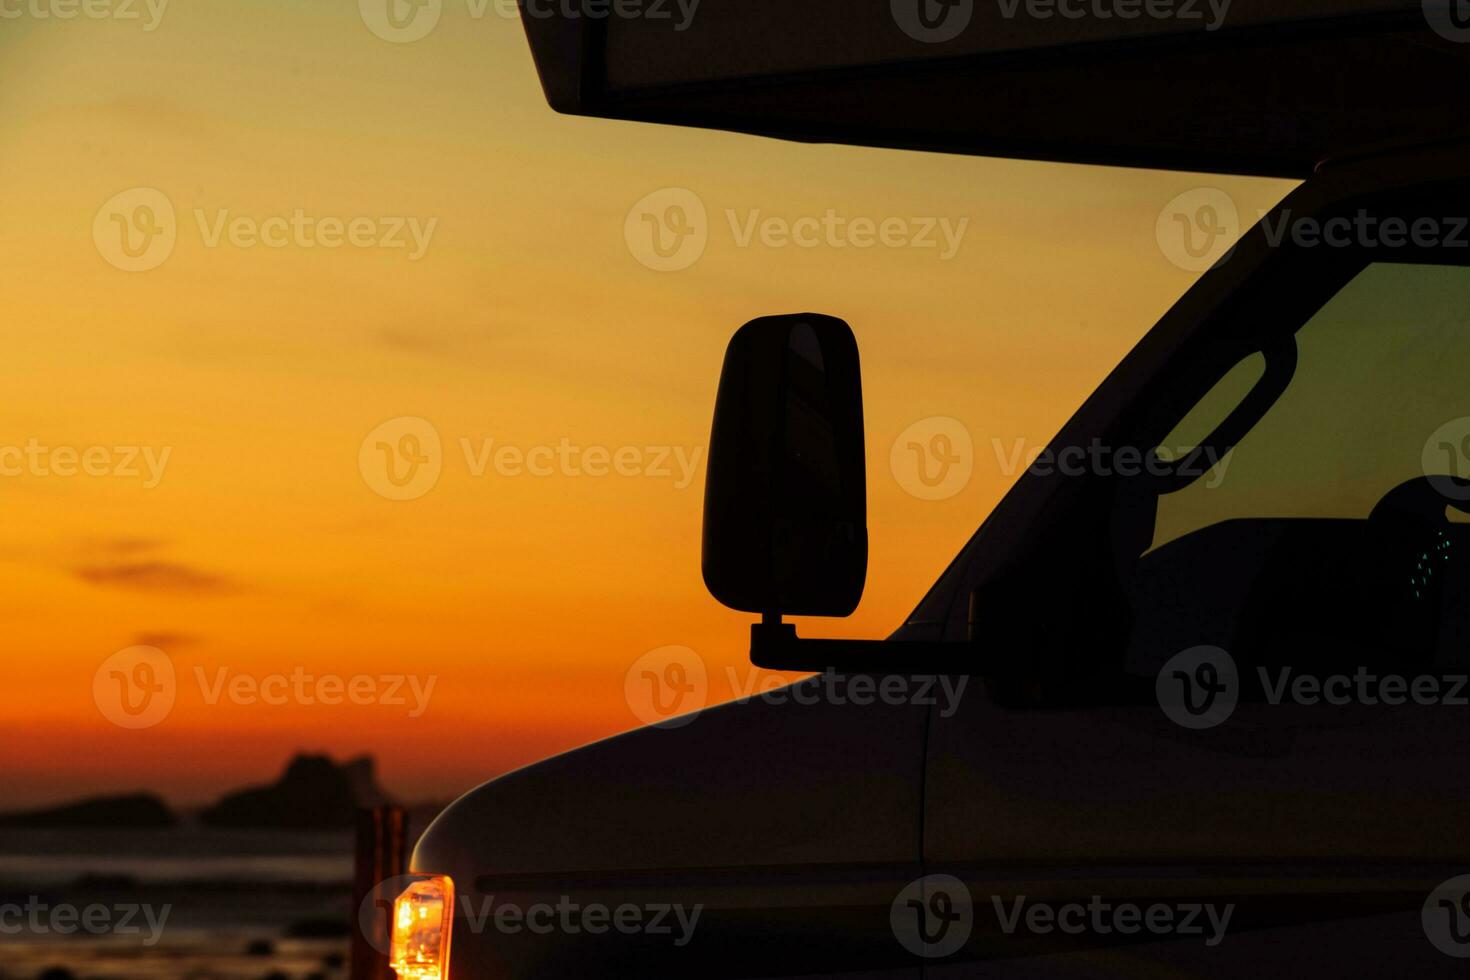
(164, 577)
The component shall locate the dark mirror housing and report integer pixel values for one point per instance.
(785, 504)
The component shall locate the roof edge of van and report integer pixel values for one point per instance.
(1270, 97)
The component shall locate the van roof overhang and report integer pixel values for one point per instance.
(1274, 89)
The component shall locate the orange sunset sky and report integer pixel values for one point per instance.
(527, 320)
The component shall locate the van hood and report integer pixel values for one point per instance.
(764, 782)
(796, 822)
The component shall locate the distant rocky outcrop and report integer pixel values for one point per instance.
(131, 811)
(314, 793)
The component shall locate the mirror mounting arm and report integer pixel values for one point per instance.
(774, 645)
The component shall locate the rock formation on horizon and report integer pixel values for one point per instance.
(314, 793)
(126, 812)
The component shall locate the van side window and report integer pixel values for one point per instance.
(1327, 532)
(1383, 367)
(1197, 425)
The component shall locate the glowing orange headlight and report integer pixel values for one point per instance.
(422, 917)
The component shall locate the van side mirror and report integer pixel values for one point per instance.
(785, 502)
(786, 498)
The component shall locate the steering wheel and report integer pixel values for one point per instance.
(1410, 531)
(1424, 499)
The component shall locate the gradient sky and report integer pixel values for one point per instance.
(528, 320)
